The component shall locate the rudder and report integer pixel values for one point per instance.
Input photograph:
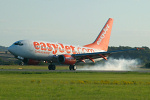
(102, 40)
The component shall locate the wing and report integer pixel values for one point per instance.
(95, 55)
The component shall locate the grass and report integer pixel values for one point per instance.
(77, 85)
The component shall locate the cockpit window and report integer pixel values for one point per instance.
(18, 43)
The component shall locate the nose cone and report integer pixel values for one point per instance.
(20, 48)
(11, 49)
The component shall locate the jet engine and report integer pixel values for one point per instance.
(66, 59)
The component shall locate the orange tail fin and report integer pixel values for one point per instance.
(102, 40)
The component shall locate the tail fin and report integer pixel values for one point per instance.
(102, 40)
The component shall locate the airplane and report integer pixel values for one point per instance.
(33, 51)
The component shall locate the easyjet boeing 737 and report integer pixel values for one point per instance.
(31, 51)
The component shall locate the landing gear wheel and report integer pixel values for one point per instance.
(51, 67)
(72, 67)
(21, 63)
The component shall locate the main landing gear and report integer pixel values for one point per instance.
(51, 67)
(72, 67)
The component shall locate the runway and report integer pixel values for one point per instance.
(98, 71)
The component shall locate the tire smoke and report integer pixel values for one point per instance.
(114, 64)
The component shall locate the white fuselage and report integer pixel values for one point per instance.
(41, 50)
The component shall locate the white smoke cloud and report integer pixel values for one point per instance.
(114, 64)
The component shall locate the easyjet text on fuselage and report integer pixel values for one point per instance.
(58, 48)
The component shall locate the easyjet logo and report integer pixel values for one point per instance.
(51, 48)
(103, 34)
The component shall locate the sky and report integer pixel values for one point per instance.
(76, 22)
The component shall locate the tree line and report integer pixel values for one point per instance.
(143, 54)
(3, 49)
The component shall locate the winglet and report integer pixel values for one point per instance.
(102, 40)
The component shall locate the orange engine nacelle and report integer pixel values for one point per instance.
(66, 59)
